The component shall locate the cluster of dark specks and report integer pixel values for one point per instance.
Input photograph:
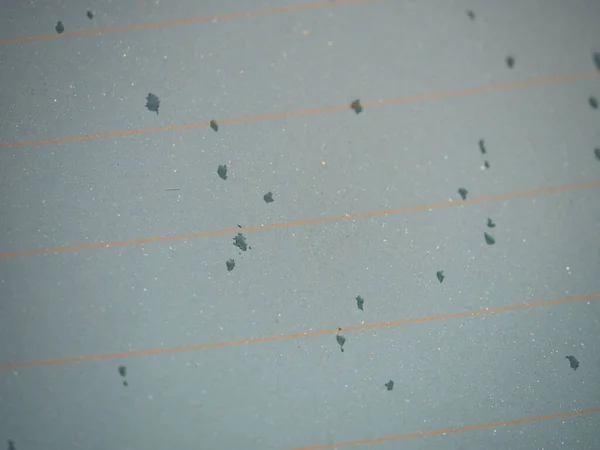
(60, 28)
(123, 373)
(483, 151)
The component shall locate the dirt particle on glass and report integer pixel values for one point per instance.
(222, 172)
(90, 15)
(389, 385)
(341, 340)
(440, 276)
(240, 242)
(152, 103)
(597, 60)
(60, 28)
(214, 125)
(463, 193)
(489, 239)
(123, 371)
(510, 62)
(482, 148)
(593, 102)
(486, 164)
(356, 106)
(574, 362)
(11, 445)
(230, 265)
(490, 223)
(360, 303)
(268, 197)
(597, 153)
(471, 14)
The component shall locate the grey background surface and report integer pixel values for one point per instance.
(302, 391)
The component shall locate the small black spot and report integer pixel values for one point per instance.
(463, 193)
(230, 265)
(125, 383)
(122, 371)
(174, 189)
(356, 106)
(490, 224)
(341, 340)
(222, 171)
(486, 164)
(510, 62)
(389, 385)
(90, 15)
(597, 153)
(239, 226)
(152, 103)
(440, 275)
(214, 125)
(489, 240)
(593, 102)
(59, 27)
(597, 60)
(240, 242)
(11, 445)
(340, 329)
(360, 303)
(482, 148)
(573, 362)
(268, 197)
(471, 15)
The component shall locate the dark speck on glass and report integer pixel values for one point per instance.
(11, 445)
(360, 302)
(230, 265)
(486, 164)
(490, 224)
(240, 242)
(573, 362)
(593, 102)
(597, 60)
(510, 62)
(268, 197)
(214, 125)
(471, 15)
(489, 240)
(482, 148)
(341, 340)
(597, 153)
(152, 103)
(440, 275)
(90, 15)
(222, 172)
(122, 371)
(60, 28)
(389, 385)
(463, 193)
(356, 106)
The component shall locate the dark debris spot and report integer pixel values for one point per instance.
(152, 103)
(597, 153)
(125, 383)
(471, 14)
(510, 62)
(440, 276)
(593, 102)
(341, 340)
(268, 197)
(482, 148)
(222, 171)
(230, 265)
(239, 226)
(11, 445)
(122, 371)
(489, 240)
(574, 362)
(486, 164)
(240, 242)
(60, 28)
(360, 302)
(214, 125)
(597, 60)
(90, 15)
(490, 224)
(389, 385)
(356, 106)
(463, 193)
